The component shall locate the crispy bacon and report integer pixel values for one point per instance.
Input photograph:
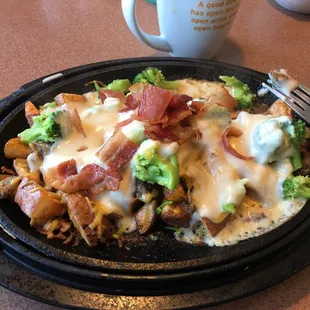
(233, 131)
(196, 106)
(170, 134)
(130, 102)
(124, 123)
(89, 176)
(107, 93)
(153, 104)
(136, 94)
(60, 172)
(76, 121)
(178, 99)
(117, 151)
(177, 114)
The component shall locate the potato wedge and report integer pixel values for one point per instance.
(8, 186)
(82, 216)
(279, 108)
(30, 111)
(66, 98)
(22, 169)
(14, 148)
(145, 217)
(38, 203)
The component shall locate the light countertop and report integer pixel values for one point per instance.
(39, 37)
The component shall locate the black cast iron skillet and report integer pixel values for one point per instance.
(142, 260)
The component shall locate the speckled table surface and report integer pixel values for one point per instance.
(39, 37)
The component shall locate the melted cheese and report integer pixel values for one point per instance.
(215, 174)
(98, 122)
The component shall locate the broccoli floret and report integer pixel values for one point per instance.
(241, 92)
(155, 77)
(296, 187)
(150, 166)
(229, 207)
(297, 133)
(45, 128)
(119, 85)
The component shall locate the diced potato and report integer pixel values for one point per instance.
(176, 195)
(279, 108)
(8, 186)
(14, 148)
(176, 214)
(66, 98)
(22, 169)
(38, 203)
(82, 216)
(30, 112)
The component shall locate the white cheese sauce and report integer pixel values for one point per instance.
(215, 174)
(98, 121)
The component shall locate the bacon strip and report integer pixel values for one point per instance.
(60, 172)
(130, 102)
(170, 134)
(117, 151)
(88, 177)
(153, 104)
(179, 99)
(107, 93)
(233, 131)
(76, 121)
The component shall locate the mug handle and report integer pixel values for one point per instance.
(156, 42)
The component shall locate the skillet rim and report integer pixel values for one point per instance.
(48, 249)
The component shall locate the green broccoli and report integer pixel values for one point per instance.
(296, 187)
(150, 166)
(46, 128)
(155, 77)
(241, 92)
(297, 133)
(229, 207)
(119, 85)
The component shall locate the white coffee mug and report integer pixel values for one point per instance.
(189, 28)
(298, 6)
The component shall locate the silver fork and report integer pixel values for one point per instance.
(298, 100)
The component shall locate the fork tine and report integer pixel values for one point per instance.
(302, 96)
(305, 89)
(304, 114)
(298, 101)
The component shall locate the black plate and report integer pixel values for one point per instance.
(142, 259)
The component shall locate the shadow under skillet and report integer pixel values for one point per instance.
(298, 16)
